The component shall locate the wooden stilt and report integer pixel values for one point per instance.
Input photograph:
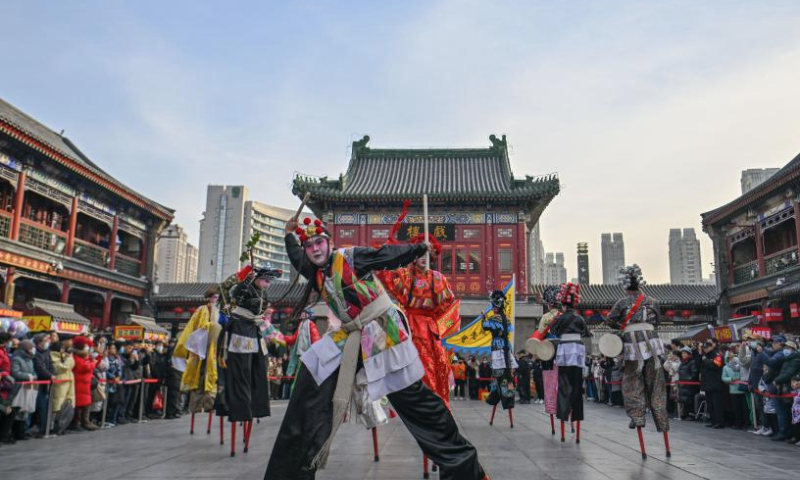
(191, 430)
(425, 473)
(578, 433)
(210, 418)
(641, 443)
(666, 444)
(375, 444)
(562, 430)
(552, 425)
(233, 439)
(222, 430)
(494, 409)
(249, 426)
(511, 416)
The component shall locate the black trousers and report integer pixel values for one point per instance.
(714, 402)
(524, 388)
(308, 423)
(539, 381)
(740, 415)
(246, 386)
(570, 393)
(472, 386)
(173, 392)
(460, 386)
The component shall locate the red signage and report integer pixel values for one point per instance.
(794, 310)
(764, 332)
(773, 315)
(724, 334)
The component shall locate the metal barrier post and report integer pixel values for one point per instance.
(164, 393)
(141, 399)
(753, 411)
(49, 408)
(104, 411)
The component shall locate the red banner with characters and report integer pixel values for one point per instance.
(763, 332)
(724, 334)
(794, 310)
(773, 315)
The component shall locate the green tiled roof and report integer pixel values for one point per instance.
(473, 174)
(605, 296)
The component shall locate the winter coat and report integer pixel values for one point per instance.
(730, 375)
(43, 365)
(22, 367)
(757, 369)
(83, 372)
(63, 391)
(790, 368)
(711, 372)
(688, 371)
(5, 370)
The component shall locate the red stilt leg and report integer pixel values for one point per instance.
(494, 409)
(244, 431)
(375, 444)
(210, 418)
(666, 443)
(511, 416)
(578, 433)
(641, 443)
(222, 430)
(233, 439)
(191, 430)
(562, 430)
(552, 425)
(249, 426)
(425, 473)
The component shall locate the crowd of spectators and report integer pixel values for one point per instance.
(80, 379)
(752, 385)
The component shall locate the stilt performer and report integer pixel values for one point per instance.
(302, 339)
(371, 347)
(496, 322)
(545, 352)
(643, 383)
(570, 328)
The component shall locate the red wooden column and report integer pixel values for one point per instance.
(65, 291)
(520, 258)
(760, 249)
(107, 310)
(73, 226)
(112, 244)
(490, 270)
(19, 196)
(8, 292)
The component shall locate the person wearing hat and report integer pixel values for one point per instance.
(83, 372)
(22, 370)
(571, 329)
(431, 310)
(503, 362)
(196, 352)
(43, 364)
(246, 387)
(688, 376)
(790, 366)
(643, 383)
(301, 340)
(368, 346)
(549, 370)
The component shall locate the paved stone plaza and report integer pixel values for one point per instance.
(608, 450)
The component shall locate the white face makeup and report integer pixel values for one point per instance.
(317, 250)
(421, 262)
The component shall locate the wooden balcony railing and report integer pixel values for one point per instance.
(745, 273)
(127, 265)
(782, 260)
(91, 253)
(5, 224)
(40, 236)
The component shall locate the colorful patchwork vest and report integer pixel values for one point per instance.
(391, 361)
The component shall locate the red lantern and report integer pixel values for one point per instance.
(177, 310)
(589, 313)
(670, 313)
(686, 313)
(606, 312)
(192, 309)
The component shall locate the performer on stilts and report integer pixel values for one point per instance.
(643, 383)
(545, 352)
(431, 310)
(570, 328)
(299, 342)
(372, 348)
(503, 362)
(244, 352)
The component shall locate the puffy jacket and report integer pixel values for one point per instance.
(790, 368)
(22, 366)
(83, 372)
(688, 371)
(730, 375)
(711, 371)
(757, 369)
(63, 365)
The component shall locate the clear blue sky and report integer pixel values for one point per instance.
(647, 110)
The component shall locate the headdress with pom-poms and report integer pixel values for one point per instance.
(550, 295)
(420, 238)
(569, 294)
(631, 278)
(310, 229)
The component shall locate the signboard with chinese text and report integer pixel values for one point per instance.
(442, 232)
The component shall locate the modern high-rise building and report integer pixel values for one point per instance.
(537, 257)
(583, 263)
(612, 251)
(230, 220)
(176, 258)
(753, 177)
(685, 265)
(555, 271)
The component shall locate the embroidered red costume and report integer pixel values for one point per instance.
(432, 312)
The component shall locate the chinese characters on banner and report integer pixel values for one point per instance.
(442, 232)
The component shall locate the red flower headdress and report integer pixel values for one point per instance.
(309, 229)
(570, 294)
(420, 237)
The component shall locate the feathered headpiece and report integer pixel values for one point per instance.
(569, 294)
(309, 230)
(631, 278)
(420, 238)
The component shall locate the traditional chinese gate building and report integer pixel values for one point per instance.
(480, 212)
